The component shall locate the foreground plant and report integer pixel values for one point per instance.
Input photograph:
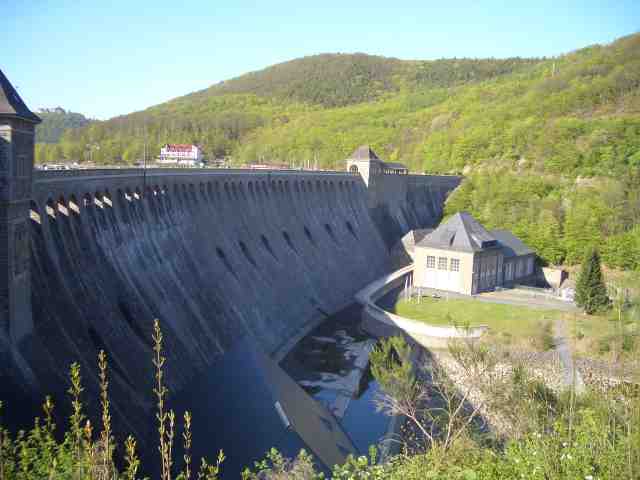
(37, 454)
(276, 467)
(166, 424)
(434, 405)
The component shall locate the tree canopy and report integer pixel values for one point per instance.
(591, 292)
(55, 121)
(550, 148)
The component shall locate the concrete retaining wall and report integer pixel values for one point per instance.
(383, 323)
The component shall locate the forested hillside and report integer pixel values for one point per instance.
(222, 117)
(345, 79)
(550, 147)
(55, 121)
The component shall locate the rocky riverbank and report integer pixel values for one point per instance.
(603, 375)
(481, 390)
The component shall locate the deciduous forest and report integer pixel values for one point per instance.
(550, 148)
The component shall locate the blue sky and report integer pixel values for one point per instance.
(106, 58)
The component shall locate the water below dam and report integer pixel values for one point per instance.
(233, 404)
(332, 364)
(388, 300)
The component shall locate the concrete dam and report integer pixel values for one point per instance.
(91, 257)
(213, 254)
(237, 266)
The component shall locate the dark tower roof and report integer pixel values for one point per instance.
(11, 104)
(364, 152)
(460, 232)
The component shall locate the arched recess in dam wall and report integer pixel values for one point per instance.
(213, 255)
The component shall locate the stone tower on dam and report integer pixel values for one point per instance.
(90, 258)
(17, 131)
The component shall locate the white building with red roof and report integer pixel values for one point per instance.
(180, 154)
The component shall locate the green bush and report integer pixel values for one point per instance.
(604, 345)
(629, 341)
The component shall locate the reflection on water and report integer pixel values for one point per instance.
(233, 403)
(362, 422)
(331, 364)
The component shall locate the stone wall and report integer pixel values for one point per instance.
(214, 256)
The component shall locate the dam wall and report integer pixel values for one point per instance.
(399, 203)
(213, 254)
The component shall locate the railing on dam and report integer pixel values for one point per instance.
(50, 186)
(45, 175)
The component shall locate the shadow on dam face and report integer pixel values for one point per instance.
(212, 258)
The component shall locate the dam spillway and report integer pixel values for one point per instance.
(213, 254)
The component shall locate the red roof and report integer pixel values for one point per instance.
(179, 147)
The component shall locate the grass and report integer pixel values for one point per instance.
(596, 335)
(591, 335)
(509, 321)
(600, 335)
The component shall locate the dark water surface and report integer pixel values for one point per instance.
(233, 405)
(233, 410)
(310, 358)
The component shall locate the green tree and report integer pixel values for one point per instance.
(547, 238)
(591, 292)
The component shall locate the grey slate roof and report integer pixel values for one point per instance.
(364, 152)
(419, 234)
(461, 232)
(511, 245)
(11, 104)
(413, 237)
(395, 166)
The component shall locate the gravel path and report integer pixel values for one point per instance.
(571, 375)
